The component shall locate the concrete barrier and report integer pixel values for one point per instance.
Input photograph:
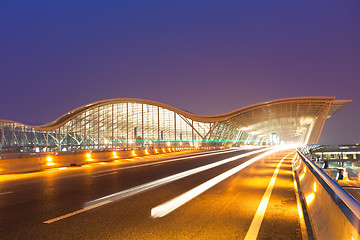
(28, 162)
(334, 214)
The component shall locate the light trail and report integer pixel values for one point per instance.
(169, 206)
(167, 161)
(260, 212)
(106, 174)
(165, 180)
(4, 193)
(215, 152)
(210, 153)
(150, 185)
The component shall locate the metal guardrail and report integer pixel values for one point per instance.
(348, 200)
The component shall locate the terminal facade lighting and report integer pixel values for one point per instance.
(127, 123)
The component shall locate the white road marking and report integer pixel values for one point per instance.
(74, 213)
(104, 174)
(4, 193)
(194, 155)
(167, 161)
(165, 180)
(169, 206)
(259, 215)
(210, 153)
(150, 185)
(215, 152)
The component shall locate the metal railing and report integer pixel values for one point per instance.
(344, 196)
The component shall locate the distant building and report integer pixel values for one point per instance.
(125, 123)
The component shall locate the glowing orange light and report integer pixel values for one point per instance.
(49, 159)
(310, 198)
(133, 153)
(88, 155)
(302, 176)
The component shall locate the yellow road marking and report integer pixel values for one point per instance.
(259, 215)
(74, 213)
(169, 206)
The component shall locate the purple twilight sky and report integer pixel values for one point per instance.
(207, 57)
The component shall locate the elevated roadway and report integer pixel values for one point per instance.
(227, 194)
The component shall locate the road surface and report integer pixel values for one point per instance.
(131, 199)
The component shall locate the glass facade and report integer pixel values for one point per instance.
(120, 125)
(128, 123)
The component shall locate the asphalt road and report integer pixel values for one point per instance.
(116, 200)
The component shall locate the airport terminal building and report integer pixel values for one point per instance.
(127, 123)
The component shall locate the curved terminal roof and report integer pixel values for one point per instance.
(289, 118)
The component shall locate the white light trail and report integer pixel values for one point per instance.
(169, 206)
(4, 193)
(105, 174)
(165, 180)
(210, 153)
(147, 186)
